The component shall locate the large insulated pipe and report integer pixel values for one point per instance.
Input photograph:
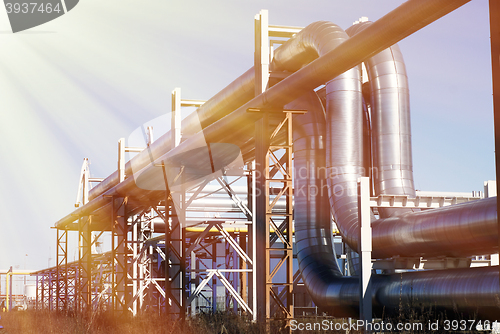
(231, 97)
(392, 171)
(313, 232)
(129, 188)
(388, 236)
(318, 266)
(446, 232)
(344, 120)
(349, 225)
(458, 231)
(403, 21)
(463, 290)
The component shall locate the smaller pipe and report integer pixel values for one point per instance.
(8, 291)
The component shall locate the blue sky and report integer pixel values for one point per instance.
(72, 87)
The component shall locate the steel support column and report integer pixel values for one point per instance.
(252, 233)
(120, 254)
(261, 225)
(274, 170)
(84, 289)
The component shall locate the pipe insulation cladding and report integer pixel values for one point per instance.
(331, 139)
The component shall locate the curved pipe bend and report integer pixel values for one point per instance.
(466, 290)
(445, 231)
(323, 279)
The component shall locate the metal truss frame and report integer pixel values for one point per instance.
(62, 274)
(45, 290)
(102, 282)
(175, 260)
(232, 277)
(274, 170)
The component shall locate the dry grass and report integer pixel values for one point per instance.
(51, 322)
(43, 322)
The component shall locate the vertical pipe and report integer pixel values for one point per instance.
(495, 68)
(86, 188)
(8, 289)
(261, 66)
(121, 159)
(261, 57)
(66, 274)
(289, 219)
(253, 243)
(344, 150)
(182, 268)
(142, 259)
(389, 98)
